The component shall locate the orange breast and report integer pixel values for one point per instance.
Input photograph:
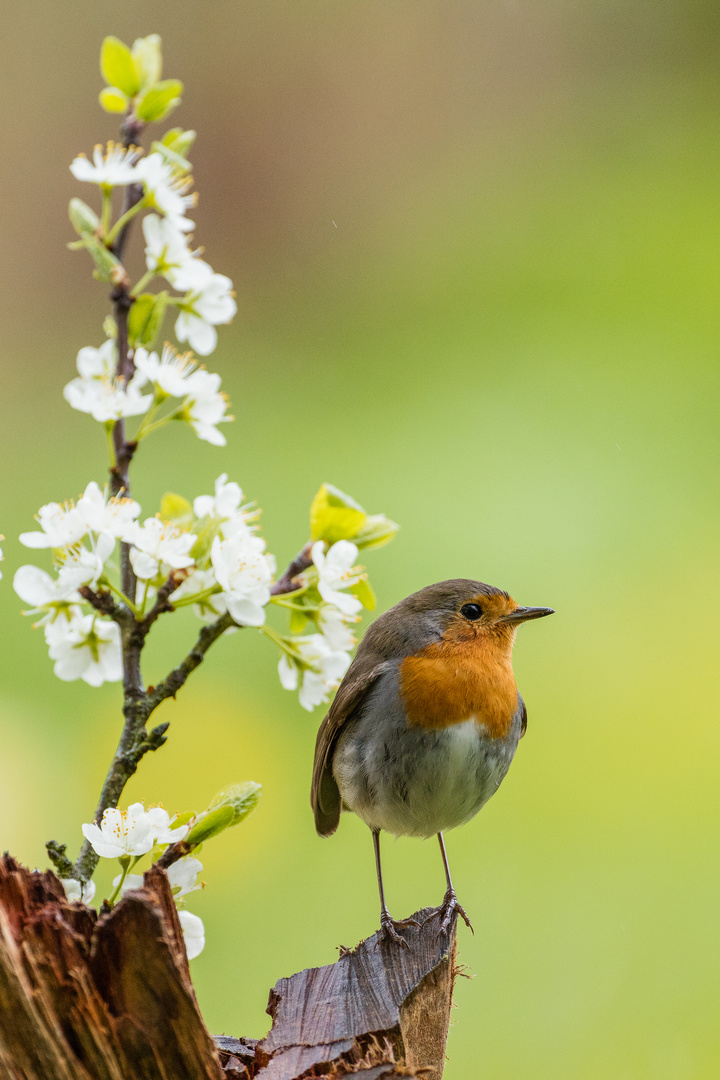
(449, 682)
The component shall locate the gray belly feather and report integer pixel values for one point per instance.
(413, 781)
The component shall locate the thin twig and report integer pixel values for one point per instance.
(177, 678)
(162, 600)
(287, 583)
(103, 602)
(174, 852)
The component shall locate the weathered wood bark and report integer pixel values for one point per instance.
(84, 997)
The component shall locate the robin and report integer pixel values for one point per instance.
(425, 723)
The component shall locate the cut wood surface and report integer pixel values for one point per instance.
(88, 997)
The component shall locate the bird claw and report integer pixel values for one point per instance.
(452, 906)
(389, 929)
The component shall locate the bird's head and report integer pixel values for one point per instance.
(461, 611)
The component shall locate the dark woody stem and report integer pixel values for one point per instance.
(135, 741)
(287, 583)
(139, 704)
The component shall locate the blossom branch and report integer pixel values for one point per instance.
(103, 602)
(177, 678)
(162, 600)
(301, 562)
(175, 852)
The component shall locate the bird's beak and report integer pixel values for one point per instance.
(524, 614)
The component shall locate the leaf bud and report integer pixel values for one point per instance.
(146, 317)
(84, 221)
(105, 262)
(212, 823)
(377, 531)
(179, 141)
(241, 798)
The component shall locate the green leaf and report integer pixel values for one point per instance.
(159, 100)
(298, 621)
(241, 798)
(376, 532)
(118, 67)
(147, 54)
(145, 318)
(106, 264)
(206, 529)
(113, 100)
(179, 141)
(211, 824)
(180, 164)
(334, 515)
(363, 590)
(176, 508)
(84, 220)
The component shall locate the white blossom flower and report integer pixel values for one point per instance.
(84, 647)
(172, 374)
(336, 572)
(107, 399)
(193, 933)
(134, 831)
(114, 517)
(78, 890)
(205, 407)
(182, 876)
(97, 363)
(245, 573)
(225, 508)
(114, 168)
(166, 190)
(318, 672)
(209, 303)
(62, 526)
(334, 627)
(1, 557)
(159, 547)
(83, 567)
(36, 587)
(167, 253)
(199, 582)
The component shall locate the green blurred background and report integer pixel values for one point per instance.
(476, 247)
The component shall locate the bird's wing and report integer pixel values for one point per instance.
(523, 716)
(324, 794)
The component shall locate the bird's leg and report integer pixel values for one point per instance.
(388, 926)
(450, 901)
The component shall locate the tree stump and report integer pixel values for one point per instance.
(88, 997)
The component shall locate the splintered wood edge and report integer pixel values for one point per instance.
(377, 1005)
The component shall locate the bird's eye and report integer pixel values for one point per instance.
(471, 611)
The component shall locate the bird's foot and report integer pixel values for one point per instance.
(452, 906)
(389, 929)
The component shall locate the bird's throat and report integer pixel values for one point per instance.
(450, 682)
